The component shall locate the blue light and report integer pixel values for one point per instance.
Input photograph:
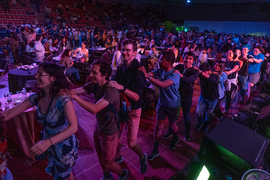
(188, 1)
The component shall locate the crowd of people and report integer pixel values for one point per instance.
(222, 62)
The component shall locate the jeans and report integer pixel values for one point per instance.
(242, 81)
(74, 72)
(217, 110)
(186, 106)
(204, 110)
(229, 96)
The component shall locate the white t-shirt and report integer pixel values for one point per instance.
(203, 58)
(117, 59)
(81, 53)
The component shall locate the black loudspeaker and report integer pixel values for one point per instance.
(233, 147)
(266, 86)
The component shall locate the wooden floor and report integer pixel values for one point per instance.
(87, 165)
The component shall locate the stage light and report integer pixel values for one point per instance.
(198, 171)
(188, 1)
(185, 30)
(204, 174)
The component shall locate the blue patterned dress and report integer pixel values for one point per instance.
(62, 155)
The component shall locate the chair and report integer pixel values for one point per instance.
(30, 85)
(97, 54)
(146, 52)
(2, 71)
(83, 69)
(67, 76)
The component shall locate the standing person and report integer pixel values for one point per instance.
(65, 60)
(202, 57)
(244, 61)
(209, 97)
(64, 44)
(188, 76)
(219, 68)
(40, 50)
(106, 135)
(254, 70)
(131, 82)
(14, 46)
(169, 99)
(59, 120)
(232, 65)
(117, 58)
(76, 37)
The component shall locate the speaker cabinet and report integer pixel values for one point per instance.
(233, 147)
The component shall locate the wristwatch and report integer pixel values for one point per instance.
(149, 77)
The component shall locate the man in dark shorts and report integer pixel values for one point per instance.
(188, 75)
(106, 135)
(168, 80)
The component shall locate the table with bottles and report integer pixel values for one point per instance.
(18, 77)
(23, 130)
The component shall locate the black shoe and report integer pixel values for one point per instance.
(119, 160)
(204, 129)
(173, 144)
(126, 176)
(187, 137)
(152, 155)
(167, 135)
(198, 126)
(220, 119)
(143, 164)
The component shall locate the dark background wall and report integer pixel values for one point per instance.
(219, 12)
(205, 10)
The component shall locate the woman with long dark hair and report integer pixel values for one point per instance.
(219, 68)
(232, 65)
(65, 60)
(59, 120)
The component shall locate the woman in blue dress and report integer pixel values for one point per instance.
(59, 122)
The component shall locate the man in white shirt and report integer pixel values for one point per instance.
(203, 57)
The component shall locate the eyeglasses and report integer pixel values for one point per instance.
(41, 74)
(128, 50)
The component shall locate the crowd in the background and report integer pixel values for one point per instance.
(175, 61)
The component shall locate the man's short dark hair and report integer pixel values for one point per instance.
(104, 68)
(130, 41)
(169, 56)
(190, 53)
(205, 67)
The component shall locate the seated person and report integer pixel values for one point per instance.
(65, 60)
(83, 52)
(114, 43)
(54, 48)
(108, 43)
(30, 47)
(153, 52)
(47, 49)
(210, 52)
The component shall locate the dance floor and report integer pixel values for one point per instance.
(87, 166)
